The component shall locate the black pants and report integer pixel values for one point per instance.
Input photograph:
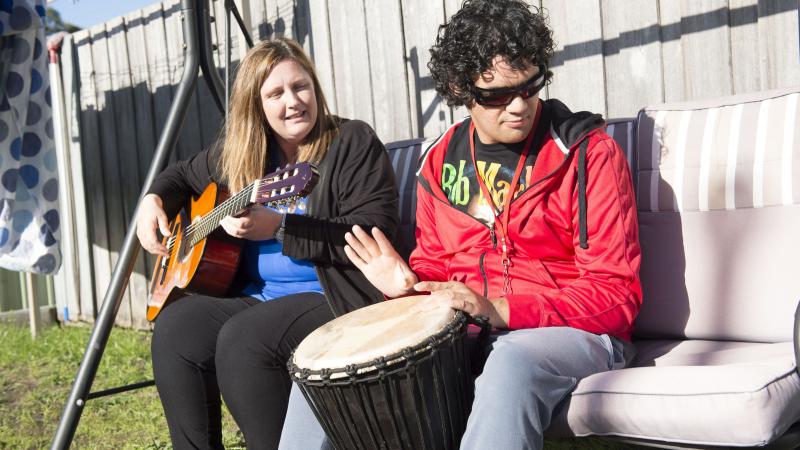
(239, 347)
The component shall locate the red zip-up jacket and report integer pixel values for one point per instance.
(557, 277)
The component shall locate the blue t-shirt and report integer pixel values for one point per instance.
(274, 275)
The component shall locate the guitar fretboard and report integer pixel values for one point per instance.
(199, 230)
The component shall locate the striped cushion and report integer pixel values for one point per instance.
(623, 131)
(719, 203)
(405, 159)
(736, 152)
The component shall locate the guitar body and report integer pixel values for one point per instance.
(208, 267)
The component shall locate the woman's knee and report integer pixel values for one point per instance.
(270, 331)
(180, 333)
(243, 341)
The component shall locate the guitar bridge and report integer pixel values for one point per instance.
(161, 270)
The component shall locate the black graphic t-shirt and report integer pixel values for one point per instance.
(496, 164)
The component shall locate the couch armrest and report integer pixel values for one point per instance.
(796, 338)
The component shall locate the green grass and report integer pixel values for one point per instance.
(36, 376)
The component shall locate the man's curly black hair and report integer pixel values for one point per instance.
(479, 31)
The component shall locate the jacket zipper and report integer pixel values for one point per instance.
(480, 261)
(492, 234)
(483, 274)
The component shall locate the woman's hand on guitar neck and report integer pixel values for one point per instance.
(256, 224)
(151, 218)
(380, 263)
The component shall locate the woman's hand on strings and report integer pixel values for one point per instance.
(256, 223)
(380, 263)
(152, 218)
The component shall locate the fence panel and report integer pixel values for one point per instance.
(612, 57)
(127, 145)
(93, 175)
(421, 18)
(110, 157)
(578, 69)
(71, 77)
(10, 292)
(778, 43)
(744, 45)
(389, 80)
(320, 44)
(631, 45)
(350, 51)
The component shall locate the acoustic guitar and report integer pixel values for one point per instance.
(202, 257)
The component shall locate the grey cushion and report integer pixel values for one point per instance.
(694, 392)
(718, 193)
(725, 275)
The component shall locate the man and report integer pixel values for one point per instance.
(525, 215)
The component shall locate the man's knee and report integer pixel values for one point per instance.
(522, 356)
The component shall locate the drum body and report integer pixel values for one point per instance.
(417, 397)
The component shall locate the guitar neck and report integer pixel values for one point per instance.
(202, 228)
(279, 187)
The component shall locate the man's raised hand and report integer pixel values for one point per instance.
(375, 257)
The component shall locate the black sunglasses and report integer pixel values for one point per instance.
(504, 96)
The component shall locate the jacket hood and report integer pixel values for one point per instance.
(570, 126)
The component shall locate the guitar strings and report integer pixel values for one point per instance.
(208, 223)
(233, 204)
(204, 223)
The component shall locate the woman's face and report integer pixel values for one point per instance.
(289, 102)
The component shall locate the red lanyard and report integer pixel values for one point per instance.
(501, 225)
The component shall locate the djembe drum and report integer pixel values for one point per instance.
(387, 377)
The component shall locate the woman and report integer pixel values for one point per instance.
(292, 262)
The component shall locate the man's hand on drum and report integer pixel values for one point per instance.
(256, 223)
(458, 296)
(380, 263)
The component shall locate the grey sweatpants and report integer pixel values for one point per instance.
(527, 374)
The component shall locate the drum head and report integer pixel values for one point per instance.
(370, 333)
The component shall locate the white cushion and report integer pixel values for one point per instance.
(693, 392)
(720, 275)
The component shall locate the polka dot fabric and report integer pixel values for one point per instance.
(29, 215)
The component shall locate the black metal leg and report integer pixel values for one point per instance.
(105, 320)
(210, 74)
(230, 8)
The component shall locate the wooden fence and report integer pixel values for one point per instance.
(613, 57)
(14, 295)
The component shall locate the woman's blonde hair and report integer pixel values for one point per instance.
(245, 148)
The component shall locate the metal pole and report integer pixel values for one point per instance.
(232, 6)
(105, 320)
(227, 57)
(210, 73)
